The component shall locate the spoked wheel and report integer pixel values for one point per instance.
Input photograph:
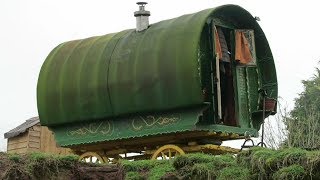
(167, 152)
(91, 157)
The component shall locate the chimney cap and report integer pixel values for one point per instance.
(142, 11)
(142, 3)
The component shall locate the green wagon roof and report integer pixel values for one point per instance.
(129, 72)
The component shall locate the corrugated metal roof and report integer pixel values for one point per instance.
(22, 127)
(132, 72)
(85, 85)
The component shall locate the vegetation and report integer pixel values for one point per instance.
(299, 127)
(34, 165)
(48, 166)
(257, 163)
(276, 133)
(303, 124)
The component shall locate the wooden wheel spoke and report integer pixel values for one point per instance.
(167, 152)
(163, 156)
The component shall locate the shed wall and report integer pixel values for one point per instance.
(37, 139)
(18, 144)
(34, 134)
(48, 143)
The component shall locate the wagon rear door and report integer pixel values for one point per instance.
(246, 76)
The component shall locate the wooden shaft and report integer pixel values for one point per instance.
(218, 86)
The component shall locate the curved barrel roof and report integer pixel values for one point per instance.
(128, 72)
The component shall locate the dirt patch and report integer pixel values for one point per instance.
(101, 173)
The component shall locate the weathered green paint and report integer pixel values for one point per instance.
(129, 127)
(243, 104)
(253, 87)
(160, 69)
(139, 126)
(247, 92)
(123, 73)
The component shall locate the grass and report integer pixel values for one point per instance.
(234, 172)
(281, 164)
(35, 165)
(256, 163)
(134, 176)
(291, 172)
(150, 169)
(159, 171)
(190, 166)
(202, 171)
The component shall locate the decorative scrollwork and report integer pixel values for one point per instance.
(104, 128)
(149, 121)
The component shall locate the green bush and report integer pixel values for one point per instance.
(133, 176)
(256, 163)
(202, 171)
(157, 172)
(198, 158)
(140, 165)
(202, 166)
(43, 165)
(69, 158)
(290, 172)
(234, 173)
(14, 157)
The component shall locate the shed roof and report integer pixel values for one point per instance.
(22, 127)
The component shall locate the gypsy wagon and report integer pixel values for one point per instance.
(176, 86)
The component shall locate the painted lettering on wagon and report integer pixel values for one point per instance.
(104, 128)
(150, 121)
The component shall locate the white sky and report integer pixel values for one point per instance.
(30, 29)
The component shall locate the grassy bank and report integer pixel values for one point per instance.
(257, 163)
(46, 166)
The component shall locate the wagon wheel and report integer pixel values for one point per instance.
(91, 157)
(167, 152)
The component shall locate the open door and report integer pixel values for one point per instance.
(246, 76)
(224, 86)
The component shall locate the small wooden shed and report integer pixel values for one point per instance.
(30, 136)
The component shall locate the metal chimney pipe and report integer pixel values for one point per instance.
(142, 17)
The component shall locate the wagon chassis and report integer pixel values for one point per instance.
(156, 147)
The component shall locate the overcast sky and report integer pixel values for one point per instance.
(30, 29)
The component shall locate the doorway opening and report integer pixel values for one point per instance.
(225, 91)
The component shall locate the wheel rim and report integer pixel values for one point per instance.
(91, 157)
(167, 152)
